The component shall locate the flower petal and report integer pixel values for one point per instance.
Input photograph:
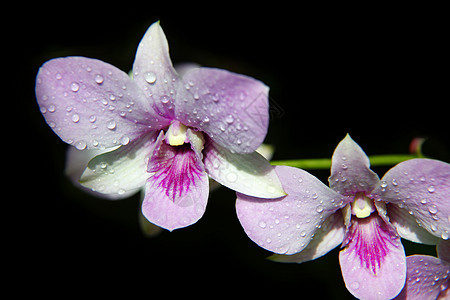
(91, 104)
(153, 71)
(350, 169)
(232, 109)
(250, 174)
(373, 261)
(443, 250)
(327, 237)
(77, 162)
(177, 192)
(287, 225)
(408, 228)
(421, 187)
(427, 278)
(121, 170)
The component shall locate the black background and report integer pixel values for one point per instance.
(378, 73)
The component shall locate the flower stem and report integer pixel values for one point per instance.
(325, 163)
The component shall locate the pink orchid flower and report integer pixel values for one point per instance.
(364, 214)
(159, 130)
(428, 277)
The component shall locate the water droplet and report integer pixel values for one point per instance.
(383, 184)
(92, 119)
(262, 224)
(74, 86)
(303, 233)
(229, 119)
(111, 124)
(215, 97)
(354, 285)
(99, 79)
(124, 140)
(231, 177)
(394, 182)
(80, 145)
(431, 189)
(51, 108)
(433, 209)
(58, 76)
(445, 235)
(75, 118)
(164, 99)
(423, 201)
(150, 77)
(319, 208)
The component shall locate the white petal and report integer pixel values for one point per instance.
(249, 174)
(120, 171)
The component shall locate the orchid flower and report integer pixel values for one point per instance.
(164, 132)
(428, 277)
(364, 214)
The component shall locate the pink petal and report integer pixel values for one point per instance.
(326, 238)
(443, 250)
(373, 260)
(232, 109)
(286, 225)
(427, 278)
(92, 104)
(177, 192)
(350, 169)
(421, 187)
(154, 73)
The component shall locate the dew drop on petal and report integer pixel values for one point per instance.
(124, 140)
(51, 108)
(74, 86)
(433, 209)
(80, 145)
(111, 124)
(75, 118)
(262, 224)
(99, 79)
(354, 285)
(229, 119)
(431, 189)
(164, 99)
(150, 77)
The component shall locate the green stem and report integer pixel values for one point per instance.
(325, 163)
